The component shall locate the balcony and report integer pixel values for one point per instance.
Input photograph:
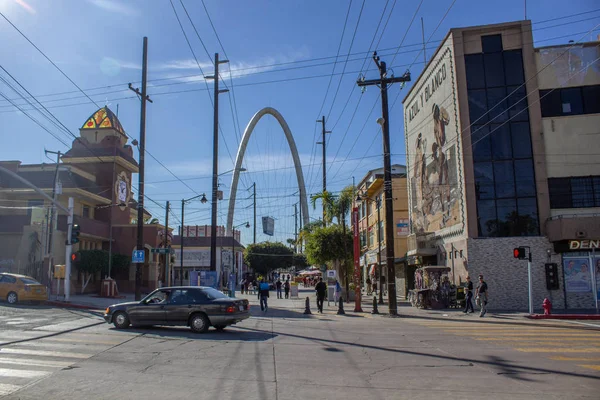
(87, 226)
(421, 244)
(573, 226)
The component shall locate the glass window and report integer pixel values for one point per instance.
(474, 71)
(591, 99)
(486, 217)
(507, 217)
(380, 232)
(524, 178)
(550, 103)
(528, 224)
(513, 67)
(521, 139)
(371, 237)
(501, 144)
(214, 294)
(8, 279)
(197, 296)
(517, 103)
(560, 192)
(86, 211)
(484, 180)
(504, 179)
(491, 43)
(481, 143)
(582, 192)
(30, 281)
(496, 100)
(477, 106)
(572, 101)
(494, 69)
(596, 182)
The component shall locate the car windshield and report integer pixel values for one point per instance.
(156, 296)
(30, 281)
(214, 294)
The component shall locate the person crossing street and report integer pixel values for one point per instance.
(321, 289)
(263, 292)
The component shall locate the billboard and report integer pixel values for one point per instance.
(268, 224)
(433, 146)
(578, 277)
(402, 227)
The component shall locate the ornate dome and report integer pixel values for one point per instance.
(104, 118)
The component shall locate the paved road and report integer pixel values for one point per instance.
(25, 317)
(284, 354)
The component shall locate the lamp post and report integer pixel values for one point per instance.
(234, 283)
(203, 200)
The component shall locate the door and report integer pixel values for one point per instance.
(179, 307)
(7, 284)
(152, 311)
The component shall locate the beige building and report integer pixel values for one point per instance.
(371, 215)
(500, 140)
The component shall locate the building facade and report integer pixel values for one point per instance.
(371, 219)
(481, 156)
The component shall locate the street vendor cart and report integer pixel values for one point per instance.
(432, 288)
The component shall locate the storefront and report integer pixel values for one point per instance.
(581, 272)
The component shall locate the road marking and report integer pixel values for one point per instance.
(35, 363)
(563, 358)
(9, 350)
(7, 388)
(21, 373)
(594, 367)
(534, 339)
(537, 334)
(558, 350)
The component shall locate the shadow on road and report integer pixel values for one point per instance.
(255, 311)
(229, 334)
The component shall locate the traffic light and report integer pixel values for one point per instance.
(519, 252)
(552, 276)
(74, 257)
(75, 234)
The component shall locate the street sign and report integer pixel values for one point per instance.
(161, 251)
(138, 256)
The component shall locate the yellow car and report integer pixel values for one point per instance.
(15, 288)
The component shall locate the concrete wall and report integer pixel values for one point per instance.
(567, 65)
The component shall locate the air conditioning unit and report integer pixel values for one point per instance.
(580, 234)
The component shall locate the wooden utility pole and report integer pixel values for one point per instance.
(383, 82)
(166, 246)
(324, 143)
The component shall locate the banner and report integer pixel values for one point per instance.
(209, 278)
(268, 225)
(577, 275)
(597, 276)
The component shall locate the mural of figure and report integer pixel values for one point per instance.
(440, 121)
(419, 178)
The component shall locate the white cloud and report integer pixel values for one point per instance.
(115, 6)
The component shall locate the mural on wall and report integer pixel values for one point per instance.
(431, 130)
(577, 275)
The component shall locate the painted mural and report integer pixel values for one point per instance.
(430, 118)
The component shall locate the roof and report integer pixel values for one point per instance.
(104, 118)
(82, 148)
(222, 241)
(379, 171)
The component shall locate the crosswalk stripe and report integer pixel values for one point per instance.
(558, 350)
(22, 373)
(60, 345)
(44, 353)
(594, 367)
(7, 388)
(563, 358)
(538, 334)
(35, 363)
(74, 340)
(543, 338)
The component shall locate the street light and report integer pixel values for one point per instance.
(203, 200)
(234, 281)
(361, 197)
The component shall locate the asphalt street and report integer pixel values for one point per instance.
(285, 354)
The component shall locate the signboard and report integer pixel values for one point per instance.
(162, 251)
(402, 227)
(331, 274)
(193, 258)
(584, 244)
(371, 258)
(577, 275)
(59, 272)
(138, 256)
(432, 135)
(268, 225)
(293, 289)
(209, 278)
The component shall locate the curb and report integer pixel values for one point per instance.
(71, 305)
(565, 316)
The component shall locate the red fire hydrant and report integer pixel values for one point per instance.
(547, 306)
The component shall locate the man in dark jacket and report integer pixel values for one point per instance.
(321, 289)
(263, 292)
(469, 296)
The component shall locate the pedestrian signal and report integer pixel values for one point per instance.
(75, 234)
(74, 257)
(552, 276)
(519, 252)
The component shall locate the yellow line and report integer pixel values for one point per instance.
(558, 350)
(543, 339)
(594, 367)
(563, 358)
(540, 335)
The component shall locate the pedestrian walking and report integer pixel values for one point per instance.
(263, 293)
(286, 287)
(369, 287)
(375, 287)
(338, 291)
(482, 296)
(469, 296)
(279, 287)
(321, 289)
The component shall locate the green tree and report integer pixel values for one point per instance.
(327, 244)
(268, 256)
(328, 201)
(300, 261)
(93, 261)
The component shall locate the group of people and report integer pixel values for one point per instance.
(264, 289)
(310, 281)
(481, 296)
(372, 285)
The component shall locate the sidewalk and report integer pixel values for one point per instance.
(89, 301)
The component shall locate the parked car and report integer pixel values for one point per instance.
(16, 288)
(196, 306)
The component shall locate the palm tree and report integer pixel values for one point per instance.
(342, 206)
(328, 201)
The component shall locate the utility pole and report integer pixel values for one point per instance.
(254, 206)
(378, 205)
(166, 245)
(140, 206)
(300, 214)
(295, 228)
(52, 214)
(324, 143)
(68, 251)
(383, 82)
(215, 178)
(181, 245)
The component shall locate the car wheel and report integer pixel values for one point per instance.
(121, 320)
(12, 298)
(199, 323)
(220, 328)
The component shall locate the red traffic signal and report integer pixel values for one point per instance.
(519, 252)
(74, 257)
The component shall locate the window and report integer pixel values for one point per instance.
(478, 106)
(486, 217)
(513, 67)
(528, 224)
(501, 145)
(491, 43)
(86, 211)
(504, 179)
(371, 237)
(481, 143)
(497, 104)
(380, 232)
(574, 192)
(494, 70)
(524, 178)
(572, 101)
(484, 181)
(474, 70)
(521, 139)
(507, 217)
(517, 103)
(214, 294)
(8, 279)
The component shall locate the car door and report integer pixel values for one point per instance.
(151, 311)
(3, 286)
(179, 307)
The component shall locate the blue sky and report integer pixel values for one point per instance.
(282, 54)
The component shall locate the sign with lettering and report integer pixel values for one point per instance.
(584, 244)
